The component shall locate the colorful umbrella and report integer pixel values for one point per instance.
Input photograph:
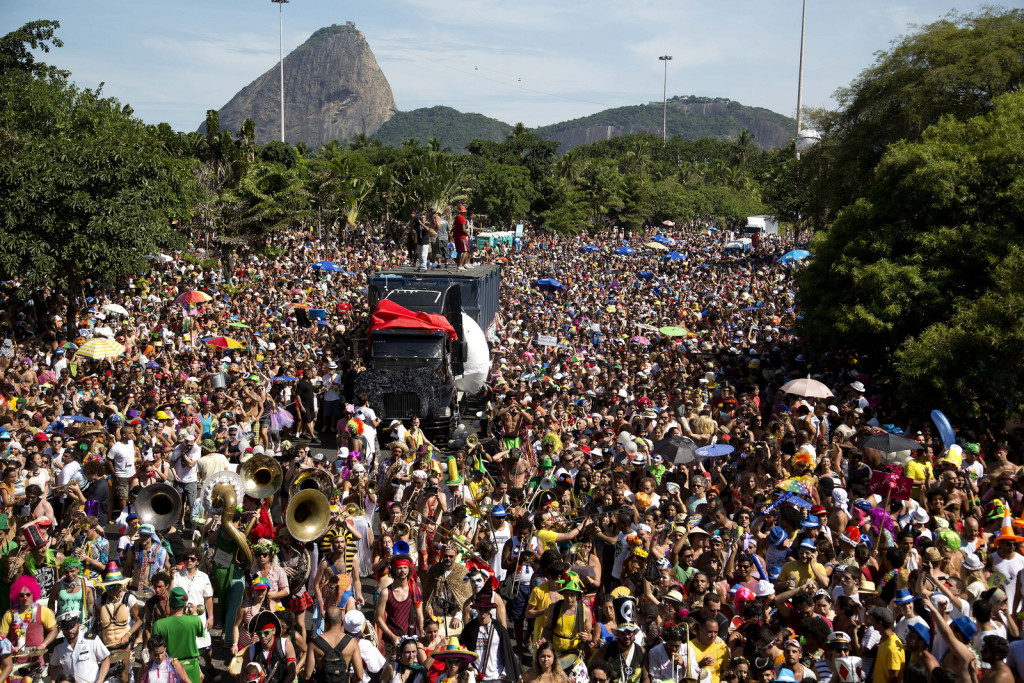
(642, 341)
(241, 325)
(193, 296)
(224, 343)
(673, 331)
(98, 348)
(69, 346)
(284, 378)
(794, 485)
(668, 223)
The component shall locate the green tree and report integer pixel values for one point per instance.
(743, 149)
(931, 239)
(86, 189)
(504, 193)
(955, 66)
(16, 49)
(269, 198)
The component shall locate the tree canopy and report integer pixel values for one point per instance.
(921, 265)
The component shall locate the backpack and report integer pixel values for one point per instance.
(333, 668)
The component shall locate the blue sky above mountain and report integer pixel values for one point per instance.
(530, 61)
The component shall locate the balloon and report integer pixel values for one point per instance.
(625, 437)
(631, 447)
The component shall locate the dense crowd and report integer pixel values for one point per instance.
(638, 500)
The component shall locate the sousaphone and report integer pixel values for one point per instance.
(160, 505)
(315, 479)
(308, 515)
(261, 476)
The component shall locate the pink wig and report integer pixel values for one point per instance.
(23, 582)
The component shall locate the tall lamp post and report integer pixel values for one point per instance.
(280, 4)
(800, 79)
(664, 100)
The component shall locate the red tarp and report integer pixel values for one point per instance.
(391, 316)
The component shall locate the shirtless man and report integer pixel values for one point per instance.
(993, 652)
(512, 420)
(252, 400)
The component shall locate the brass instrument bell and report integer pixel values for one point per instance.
(159, 504)
(262, 476)
(308, 515)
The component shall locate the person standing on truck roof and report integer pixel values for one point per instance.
(461, 236)
(424, 232)
(443, 252)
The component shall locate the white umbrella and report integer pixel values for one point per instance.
(98, 348)
(807, 387)
(104, 332)
(163, 258)
(656, 246)
(115, 308)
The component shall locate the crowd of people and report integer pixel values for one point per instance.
(639, 500)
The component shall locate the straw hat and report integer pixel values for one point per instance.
(455, 652)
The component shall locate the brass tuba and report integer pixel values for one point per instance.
(308, 515)
(315, 479)
(160, 505)
(223, 496)
(262, 476)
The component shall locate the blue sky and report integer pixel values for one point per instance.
(516, 60)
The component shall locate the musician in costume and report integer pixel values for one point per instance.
(118, 621)
(80, 655)
(495, 658)
(445, 589)
(42, 561)
(568, 622)
(624, 655)
(399, 610)
(31, 628)
(182, 632)
(227, 575)
(270, 649)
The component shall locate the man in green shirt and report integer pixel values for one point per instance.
(181, 631)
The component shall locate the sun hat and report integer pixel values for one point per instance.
(931, 554)
(777, 536)
(811, 522)
(785, 676)
(263, 621)
(499, 511)
(973, 563)
(903, 597)
(454, 652)
(808, 544)
(966, 627)
(764, 588)
(922, 630)
(353, 622)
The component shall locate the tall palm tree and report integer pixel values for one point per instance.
(743, 148)
(569, 165)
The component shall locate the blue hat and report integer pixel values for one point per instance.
(4, 434)
(785, 676)
(811, 522)
(774, 573)
(965, 626)
(808, 543)
(921, 629)
(777, 536)
(903, 596)
(862, 504)
(498, 511)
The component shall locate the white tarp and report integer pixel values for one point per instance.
(478, 358)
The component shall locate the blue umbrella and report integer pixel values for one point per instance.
(661, 239)
(550, 284)
(674, 256)
(625, 251)
(716, 450)
(284, 378)
(76, 418)
(591, 247)
(645, 275)
(327, 266)
(795, 255)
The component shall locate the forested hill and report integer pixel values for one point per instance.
(453, 128)
(690, 118)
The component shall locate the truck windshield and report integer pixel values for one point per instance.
(420, 347)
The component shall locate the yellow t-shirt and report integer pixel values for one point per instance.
(547, 538)
(539, 600)
(918, 471)
(718, 651)
(802, 571)
(890, 658)
(45, 615)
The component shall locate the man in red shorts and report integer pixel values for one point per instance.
(461, 239)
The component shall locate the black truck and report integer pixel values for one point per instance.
(413, 371)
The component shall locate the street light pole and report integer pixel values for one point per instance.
(664, 100)
(800, 79)
(280, 4)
